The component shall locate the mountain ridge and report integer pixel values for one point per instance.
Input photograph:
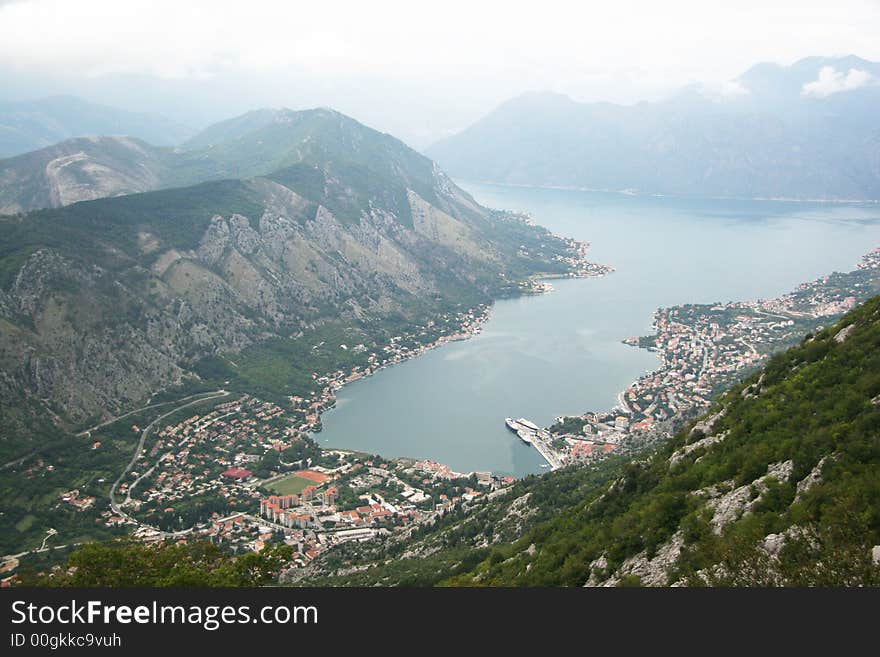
(775, 141)
(29, 125)
(258, 143)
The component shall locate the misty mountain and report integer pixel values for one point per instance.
(809, 130)
(80, 169)
(30, 125)
(254, 144)
(104, 302)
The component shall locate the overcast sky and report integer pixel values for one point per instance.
(423, 67)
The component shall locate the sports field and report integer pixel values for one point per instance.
(289, 485)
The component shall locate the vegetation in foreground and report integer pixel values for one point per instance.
(128, 563)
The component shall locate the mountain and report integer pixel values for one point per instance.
(30, 125)
(809, 130)
(105, 302)
(254, 144)
(778, 484)
(79, 169)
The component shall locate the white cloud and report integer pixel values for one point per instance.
(831, 81)
(583, 49)
(734, 89)
(413, 68)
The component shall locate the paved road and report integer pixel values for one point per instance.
(18, 460)
(41, 549)
(547, 452)
(85, 432)
(202, 396)
(117, 508)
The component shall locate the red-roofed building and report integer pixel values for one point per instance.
(237, 473)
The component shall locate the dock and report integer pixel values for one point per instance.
(538, 438)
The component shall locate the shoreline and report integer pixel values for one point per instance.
(624, 192)
(697, 337)
(479, 314)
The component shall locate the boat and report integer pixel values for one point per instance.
(525, 436)
(528, 424)
(513, 425)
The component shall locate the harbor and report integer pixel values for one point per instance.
(531, 434)
(561, 354)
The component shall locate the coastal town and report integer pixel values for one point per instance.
(243, 477)
(245, 473)
(704, 348)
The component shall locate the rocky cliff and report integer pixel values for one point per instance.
(104, 302)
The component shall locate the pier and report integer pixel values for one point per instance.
(538, 438)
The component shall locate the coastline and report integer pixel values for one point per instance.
(703, 348)
(472, 325)
(627, 192)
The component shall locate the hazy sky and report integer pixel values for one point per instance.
(423, 68)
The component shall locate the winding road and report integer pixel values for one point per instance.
(117, 508)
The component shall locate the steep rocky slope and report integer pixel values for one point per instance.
(104, 302)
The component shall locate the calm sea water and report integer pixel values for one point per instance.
(560, 353)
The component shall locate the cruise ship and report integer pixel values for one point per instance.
(531, 426)
(522, 428)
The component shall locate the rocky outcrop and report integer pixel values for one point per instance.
(814, 478)
(679, 454)
(844, 333)
(735, 502)
(653, 571)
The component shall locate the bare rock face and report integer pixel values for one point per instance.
(215, 241)
(708, 441)
(731, 505)
(654, 571)
(814, 478)
(78, 170)
(843, 334)
(73, 354)
(773, 543)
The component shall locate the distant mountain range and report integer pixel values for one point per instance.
(30, 125)
(808, 131)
